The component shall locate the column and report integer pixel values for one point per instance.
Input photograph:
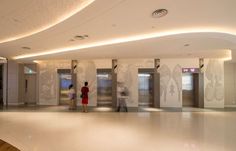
(74, 77)
(114, 82)
(200, 83)
(157, 96)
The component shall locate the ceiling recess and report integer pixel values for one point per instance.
(80, 37)
(159, 13)
(26, 48)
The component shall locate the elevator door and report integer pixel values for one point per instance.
(64, 82)
(146, 89)
(104, 87)
(188, 89)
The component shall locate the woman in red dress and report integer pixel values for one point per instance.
(84, 92)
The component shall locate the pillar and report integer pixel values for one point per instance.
(157, 95)
(114, 82)
(74, 76)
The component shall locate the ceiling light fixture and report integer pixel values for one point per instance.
(159, 13)
(80, 37)
(26, 48)
(127, 39)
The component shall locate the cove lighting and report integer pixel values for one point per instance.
(84, 4)
(129, 39)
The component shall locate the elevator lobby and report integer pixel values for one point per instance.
(161, 75)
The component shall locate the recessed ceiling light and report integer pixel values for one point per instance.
(159, 13)
(26, 48)
(81, 37)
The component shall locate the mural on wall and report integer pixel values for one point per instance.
(86, 71)
(125, 78)
(165, 77)
(177, 76)
(214, 87)
(48, 80)
(170, 81)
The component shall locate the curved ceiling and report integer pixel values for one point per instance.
(20, 19)
(208, 26)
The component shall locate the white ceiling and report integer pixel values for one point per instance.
(211, 26)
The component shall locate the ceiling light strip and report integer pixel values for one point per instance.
(124, 40)
(61, 19)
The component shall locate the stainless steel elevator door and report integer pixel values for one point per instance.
(104, 87)
(146, 89)
(188, 89)
(64, 82)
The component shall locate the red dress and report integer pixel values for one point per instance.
(84, 91)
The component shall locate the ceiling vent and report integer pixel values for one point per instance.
(80, 37)
(159, 13)
(26, 48)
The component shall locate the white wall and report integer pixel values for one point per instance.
(230, 84)
(48, 80)
(127, 72)
(13, 82)
(171, 80)
(214, 83)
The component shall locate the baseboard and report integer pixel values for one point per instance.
(230, 106)
(15, 103)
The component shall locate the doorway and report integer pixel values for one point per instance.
(30, 89)
(104, 87)
(30, 75)
(65, 80)
(146, 87)
(190, 90)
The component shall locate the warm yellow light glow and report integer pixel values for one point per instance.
(84, 4)
(36, 61)
(228, 56)
(129, 39)
(3, 58)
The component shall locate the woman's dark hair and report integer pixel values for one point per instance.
(70, 86)
(85, 83)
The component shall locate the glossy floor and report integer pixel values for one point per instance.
(111, 131)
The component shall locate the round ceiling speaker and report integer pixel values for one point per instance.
(159, 13)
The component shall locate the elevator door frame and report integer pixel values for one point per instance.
(189, 94)
(149, 71)
(59, 72)
(199, 90)
(105, 70)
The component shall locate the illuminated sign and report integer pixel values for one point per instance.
(190, 70)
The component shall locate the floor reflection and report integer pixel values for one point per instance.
(139, 131)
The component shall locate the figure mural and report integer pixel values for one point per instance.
(214, 87)
(166, 77)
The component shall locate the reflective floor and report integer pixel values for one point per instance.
(112, 131)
